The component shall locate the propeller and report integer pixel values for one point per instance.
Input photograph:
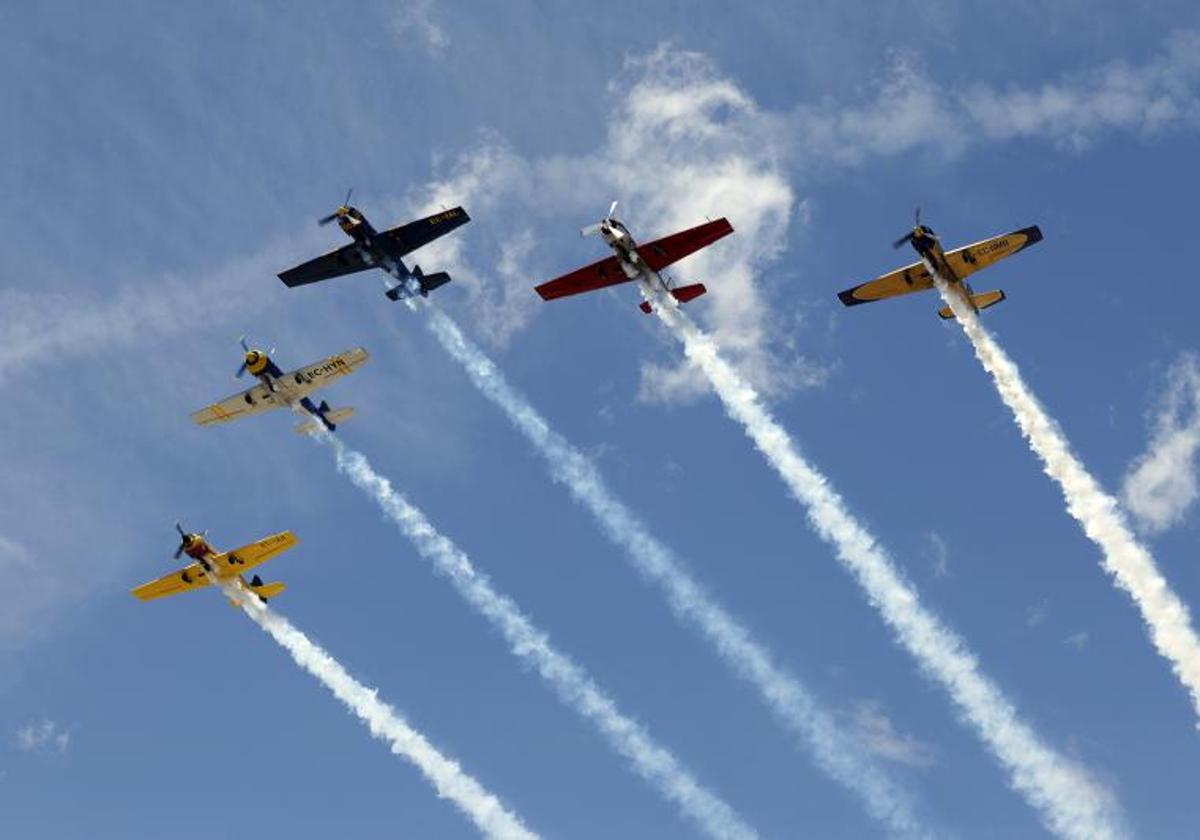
(591, 230)
(241, 371)
(324, 220)
(908, 237)
(182, 540)
(185, 539)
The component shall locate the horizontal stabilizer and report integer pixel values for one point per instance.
(334, 416)
(429, 282)
(685, 293)
(269, 590)
(980, 301)
(265, 591)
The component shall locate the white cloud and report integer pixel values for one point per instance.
(30, 588)
(875, 730)
(683, 144)
(909, 110)
(1161, 485)
(938, 553)
(413, 18)
(1077, 640)
(46, 736)
(41, 327)
(1142, 99)
(14, 557)
(1036, 615)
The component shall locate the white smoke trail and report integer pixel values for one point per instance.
(836, 754)
(385, 723)
(1071, 804)
(574, 687)
(1125, 558)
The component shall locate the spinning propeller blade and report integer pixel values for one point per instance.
(182, 539)
(245, 347)
(324, 220)
(591, 230)
(908, 237)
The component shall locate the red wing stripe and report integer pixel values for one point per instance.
(598, 275)
(662, 252)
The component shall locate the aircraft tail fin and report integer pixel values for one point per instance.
(980, 301)
(685, 293)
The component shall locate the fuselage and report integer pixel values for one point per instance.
(929, 248)
(195, 546)
(622, 242)
(284, 390)
(355, 225)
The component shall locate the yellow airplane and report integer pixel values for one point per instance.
(952, 266)
(209, 564)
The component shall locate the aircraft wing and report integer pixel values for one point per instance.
(227, 564)
(662, 252)
(407, 238)
(598, 275)
(254, 400)
(911, 278)
(971, 258)
(345, 260)
(243, 559)
(309, 378)
(182, 580)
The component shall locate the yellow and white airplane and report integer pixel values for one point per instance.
(952, 266)
(224, 565)
(276, 389)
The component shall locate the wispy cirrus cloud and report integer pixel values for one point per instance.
(43, 736)
(876, 731)
(909, 110)
(683, 142)
(938, 553)
(414, 18)
(1077, 640)
(1161, 486)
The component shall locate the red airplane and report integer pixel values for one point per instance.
(637, 262)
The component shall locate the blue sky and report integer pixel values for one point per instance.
(165, 162)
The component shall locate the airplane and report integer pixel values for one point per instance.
(637, 262)
(374, 249)
(225, 565)
(952, 266)
(276, 389)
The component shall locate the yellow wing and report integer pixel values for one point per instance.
(254, 400)
(911, 278)
(226, 564)
(183, 580)
(967, 260)
(229, 563)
